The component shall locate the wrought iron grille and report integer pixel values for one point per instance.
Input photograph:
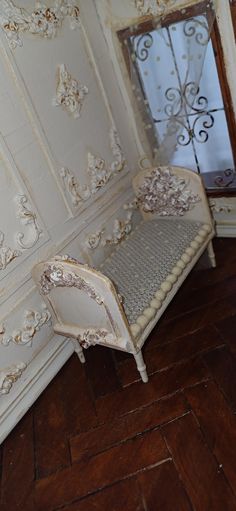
(194, 111)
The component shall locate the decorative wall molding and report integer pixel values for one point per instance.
(220, 206)
(7, 254)
(29, 218)
(43, 21)
(98, 171)
(77, 192)
(153, 7)
(121, 228)
(92, 337)
(9, 376)
(119, 161)
(33, 322)
(93, 240)
(70, 93)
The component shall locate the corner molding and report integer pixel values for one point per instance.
(98, 171)
(70, 93)
(33, 322)
(43, 21)
(7, 254)
(29, 218)
(9, 376)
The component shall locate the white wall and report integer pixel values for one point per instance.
(37, 140)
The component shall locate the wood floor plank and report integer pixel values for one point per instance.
(193, 299)
(122, 496)
(170, 329)
(160, 384)
(227, 329)
(218, 424)
(204, 481)
(163, 356)
(50, 421)
(18, 472)
(100, 471)
(222, 364)
(101, 371)
(162, 489)
(92, 442)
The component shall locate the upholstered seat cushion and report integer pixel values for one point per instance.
(143, 261)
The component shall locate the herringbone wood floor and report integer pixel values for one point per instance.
(99, 439)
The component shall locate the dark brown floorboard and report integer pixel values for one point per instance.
(99, 439)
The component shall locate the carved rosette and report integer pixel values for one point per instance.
(56, 276)
(93, 240)
(29, 218)
(7, 254)
(165, 193)
(153, 7)
(70, 93)
(119, 159)
(43, 21)
(9, 376)
(33, 322)
(92, 337)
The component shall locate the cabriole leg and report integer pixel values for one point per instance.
(79, 350)
(141, 366)
(211, 254)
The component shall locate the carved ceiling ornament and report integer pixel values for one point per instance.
(29, 218)
(9, 376)
(33, 322)
(56, 276)
(165, 193)
(153, 7)
(70, 93)
(98, 171)
(7, 254)
(43, 21)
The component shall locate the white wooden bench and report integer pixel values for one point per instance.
(118, 304)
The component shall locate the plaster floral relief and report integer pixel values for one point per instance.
(98, 171)
(43, 21)
(32, 323)
(28, 218)
(165, 193)
(70, 93)
(153, 7)
(121, 228)
(9, 376)
(7, 254)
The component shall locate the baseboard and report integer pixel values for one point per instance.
(38, 375)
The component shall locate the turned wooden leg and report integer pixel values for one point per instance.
(141, 366)
(211, 254)
(79, 351)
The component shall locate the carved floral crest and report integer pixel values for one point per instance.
(165, 193)
(43, 21)
(33, 322)
(70, 93)
(56, 276)
(7, 254)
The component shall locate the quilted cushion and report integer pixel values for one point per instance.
(141, 263)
